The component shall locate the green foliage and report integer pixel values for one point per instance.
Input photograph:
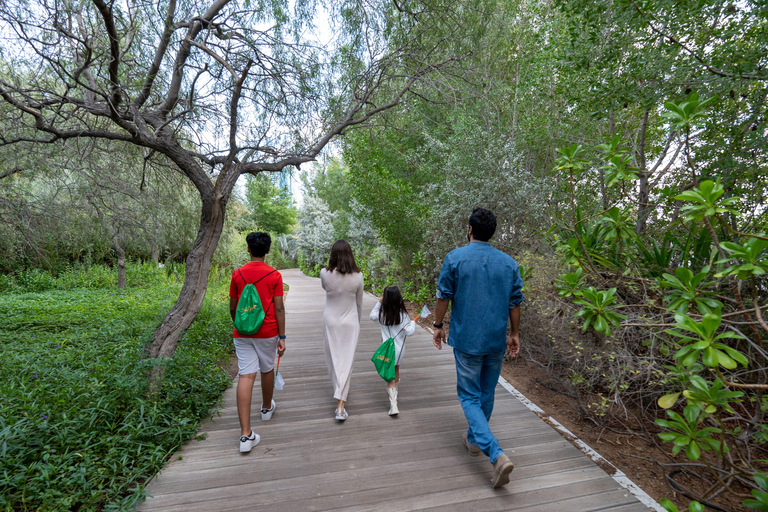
(316, 233)
(70, 207)
(657, 257)
(81, 276)
(618, 224)
(693, 506)
(570, 284)
(686, 113)
(571, 159)
(710, 398)
(752, 254)
(687, 434)
(79, 427)
(617, 160)
(761, 496)
(275, 259)
(596, 311)
(707, 199)
(704, 342)
(525, 273)
(271, 208)
(686, 289)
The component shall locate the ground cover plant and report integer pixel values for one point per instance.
(80, 428)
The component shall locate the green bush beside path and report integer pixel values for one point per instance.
(79, 427)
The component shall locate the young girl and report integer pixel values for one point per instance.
(395, 323)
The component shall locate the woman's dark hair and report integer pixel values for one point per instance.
(392, 306)
(342, 260)
(483, 224)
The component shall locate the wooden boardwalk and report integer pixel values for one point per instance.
(416, 461)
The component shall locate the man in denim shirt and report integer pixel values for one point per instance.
(485, 290)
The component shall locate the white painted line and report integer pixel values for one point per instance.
(615, 473)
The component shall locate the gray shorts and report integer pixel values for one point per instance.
(255, 354)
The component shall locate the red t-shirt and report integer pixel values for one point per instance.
(269, 287)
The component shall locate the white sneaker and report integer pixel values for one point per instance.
(246, 443)
(341, 415)
(267, 413)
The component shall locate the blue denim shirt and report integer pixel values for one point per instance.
(483, 284)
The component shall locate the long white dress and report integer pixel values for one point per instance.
(341, 325)
(406, 327)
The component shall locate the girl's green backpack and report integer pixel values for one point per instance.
(250, 313)
(384, 359)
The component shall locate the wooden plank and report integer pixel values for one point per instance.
(416, 461)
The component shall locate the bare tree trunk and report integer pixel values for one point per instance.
(183, 313)
(155, 253)
(120, 266)
(644, 191)
(643, 197)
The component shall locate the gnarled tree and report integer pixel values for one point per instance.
(219, 89)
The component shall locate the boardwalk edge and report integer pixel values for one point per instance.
(615, 473)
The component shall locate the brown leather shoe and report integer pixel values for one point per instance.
(501, 470)
(472, 449)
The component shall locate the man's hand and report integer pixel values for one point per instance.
(280, 347)
(513, 344)
(438, 338)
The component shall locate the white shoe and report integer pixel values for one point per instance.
(267, 413)
(246, 443)
(341, 415)
(393, 410)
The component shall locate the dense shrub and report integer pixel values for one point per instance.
(79, 426)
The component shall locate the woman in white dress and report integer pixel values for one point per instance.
(343, 285)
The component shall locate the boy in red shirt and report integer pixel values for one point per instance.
(256, 352)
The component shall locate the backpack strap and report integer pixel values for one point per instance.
(262, 277)
(395, 336)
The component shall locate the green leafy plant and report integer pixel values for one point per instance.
(571, 159)
(687, 435)
(597, 312)
(570, 284)
(693, 506)
(710, 398)
(79, 427)
(656, 257)
(618, 224)
(752, 255)
(761, 496)
(685, 113)
(705, 342)
(526, 274)
(617, 161)
(707, 199)
(685, 289)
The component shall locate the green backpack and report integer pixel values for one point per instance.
(384, 358)
(250, 313)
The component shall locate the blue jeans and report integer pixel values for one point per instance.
(476, 379)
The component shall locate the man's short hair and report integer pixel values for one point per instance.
(483, 224)
(259, 243)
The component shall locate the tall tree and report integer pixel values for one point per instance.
(271, 207)
(220, 89)
(627, 57)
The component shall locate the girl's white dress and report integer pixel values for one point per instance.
(406, 327)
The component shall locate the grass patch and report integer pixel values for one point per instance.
(79, 429)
